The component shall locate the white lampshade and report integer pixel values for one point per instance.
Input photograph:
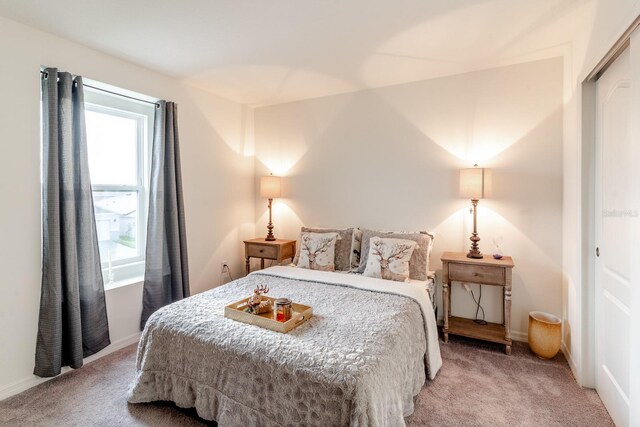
(270, 187)
(475, 183)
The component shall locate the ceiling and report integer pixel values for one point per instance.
(261, 52)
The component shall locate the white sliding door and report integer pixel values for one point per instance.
(614, 216)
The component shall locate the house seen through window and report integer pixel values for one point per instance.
(119, 133)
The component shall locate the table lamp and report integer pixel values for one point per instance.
(475, 184)
(270, 189)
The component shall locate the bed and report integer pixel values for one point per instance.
(360, 360)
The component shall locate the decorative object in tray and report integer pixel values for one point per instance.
(258, 310)
(283, 309)
(258, 305)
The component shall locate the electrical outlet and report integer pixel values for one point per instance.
(224, 265)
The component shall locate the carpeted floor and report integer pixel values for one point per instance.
(477, 386)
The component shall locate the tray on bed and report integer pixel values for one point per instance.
(300, 314)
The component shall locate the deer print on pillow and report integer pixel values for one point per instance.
(389, 258)
(317, 251)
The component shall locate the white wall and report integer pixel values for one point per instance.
(389, 159)
(218, 171)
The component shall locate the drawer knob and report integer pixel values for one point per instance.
(261, 250)
(475, 274)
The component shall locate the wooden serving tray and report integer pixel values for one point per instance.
(300, 314)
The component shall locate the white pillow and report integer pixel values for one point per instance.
(419, 263)
(317, 251)
(389, 258)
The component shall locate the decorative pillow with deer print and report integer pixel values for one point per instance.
(389, 258)
(317, 251)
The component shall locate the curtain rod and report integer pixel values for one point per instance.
(46, 74)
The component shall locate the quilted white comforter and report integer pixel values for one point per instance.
(358, 361)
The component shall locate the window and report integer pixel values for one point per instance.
(119, 133)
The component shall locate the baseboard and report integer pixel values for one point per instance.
(33, 380)
(519, 336)
(569, 357)
(115, 346)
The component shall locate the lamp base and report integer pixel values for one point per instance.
(270, 237)
(474, 251)
(474, 254)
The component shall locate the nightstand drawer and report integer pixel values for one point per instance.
(262, 251)
(476, 274)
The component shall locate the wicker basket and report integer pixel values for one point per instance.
(300, 314)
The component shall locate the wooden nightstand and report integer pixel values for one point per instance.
(277, 250)
(456, 267)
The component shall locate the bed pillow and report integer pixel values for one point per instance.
(389, 258)
(317, 251)
(419, 262)
(343, 258)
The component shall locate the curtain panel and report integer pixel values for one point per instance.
(73, 317)
(166, 277)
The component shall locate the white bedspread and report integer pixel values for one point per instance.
(359, 361)
(413, 289)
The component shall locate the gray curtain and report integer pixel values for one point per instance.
(166, 276)
(73, 316)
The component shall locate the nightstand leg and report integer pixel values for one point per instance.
(507, 349)
(507, 310)
(261, 263)
(507, 307)
(445, 301)
(247, 265)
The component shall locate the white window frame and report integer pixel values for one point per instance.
(129, 269)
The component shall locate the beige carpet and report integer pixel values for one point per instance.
(477, 386)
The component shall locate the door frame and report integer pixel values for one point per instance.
(631, 39)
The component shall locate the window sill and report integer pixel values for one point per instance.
(122, 283)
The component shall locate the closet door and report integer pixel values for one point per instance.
(614, 216)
